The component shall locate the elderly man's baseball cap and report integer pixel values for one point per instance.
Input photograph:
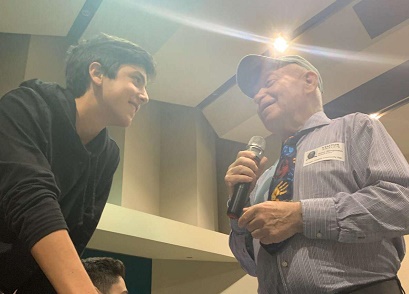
(251, 67)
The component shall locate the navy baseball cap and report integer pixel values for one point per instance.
(251, 66)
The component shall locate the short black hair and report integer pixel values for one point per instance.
(104, 271)
(111, 52)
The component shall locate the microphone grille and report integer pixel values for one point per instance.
(258, 141)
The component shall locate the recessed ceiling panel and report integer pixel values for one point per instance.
(247, 129)
(379, 93)
(229, 111)
(379, 16)
(206, 50)
(143, 22)
(39, 17)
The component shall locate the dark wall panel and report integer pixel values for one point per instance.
(379, 93)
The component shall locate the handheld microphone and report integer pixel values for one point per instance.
(241, 190)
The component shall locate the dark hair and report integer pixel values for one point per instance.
(104, 271)
(111, 52)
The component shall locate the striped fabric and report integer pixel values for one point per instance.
(355, 212)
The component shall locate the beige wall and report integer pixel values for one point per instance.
(46, 59)
(178, 164)
(25, 57)
(169, 165)
(141, 161)
(403, 273)
(13, 59)
(115, 196)
(206, 174)
(183, 277)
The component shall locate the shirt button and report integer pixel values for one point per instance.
(284, 264)
(319, 235)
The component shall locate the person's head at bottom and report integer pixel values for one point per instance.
(107, 274)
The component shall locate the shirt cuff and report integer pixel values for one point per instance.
(319, 219)
(236, 229)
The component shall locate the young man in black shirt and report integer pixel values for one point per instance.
(57, 163)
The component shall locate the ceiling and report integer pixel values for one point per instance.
(360, 48)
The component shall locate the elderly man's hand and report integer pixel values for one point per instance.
(244, 170)
(273, 221)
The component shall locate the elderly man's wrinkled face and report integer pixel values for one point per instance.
(281, 100)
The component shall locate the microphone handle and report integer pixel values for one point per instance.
(241, 190)
(238, 200)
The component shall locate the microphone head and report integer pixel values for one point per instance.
(257, 141)
(257, 144)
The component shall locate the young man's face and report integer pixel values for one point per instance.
(119, 287)
(123, 96)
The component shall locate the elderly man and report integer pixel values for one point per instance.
(339, 193)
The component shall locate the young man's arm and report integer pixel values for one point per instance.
(29, 200)
(57, 257)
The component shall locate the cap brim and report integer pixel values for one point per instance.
(249, 71)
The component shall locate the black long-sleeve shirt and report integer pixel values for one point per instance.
(48, 179)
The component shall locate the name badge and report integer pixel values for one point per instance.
(333, 151)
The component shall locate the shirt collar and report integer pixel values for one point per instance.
(317, 119)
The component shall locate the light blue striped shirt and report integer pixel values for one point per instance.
(355, 211)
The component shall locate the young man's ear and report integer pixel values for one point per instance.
(311, 79)
(95, 73)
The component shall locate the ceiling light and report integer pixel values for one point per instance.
(375, 115)
(280, 44)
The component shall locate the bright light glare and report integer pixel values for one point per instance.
(280, 44)
(197, 23)
(351, 56)
(189, 21)
(375, 115)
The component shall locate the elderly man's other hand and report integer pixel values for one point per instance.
(273, 221)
